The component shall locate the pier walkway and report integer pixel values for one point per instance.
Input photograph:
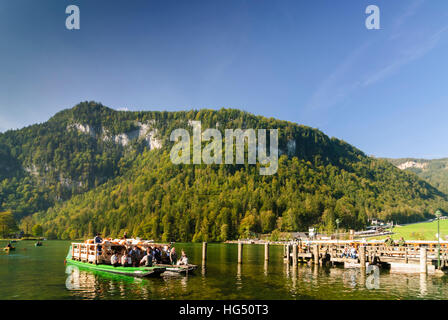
(413, 256)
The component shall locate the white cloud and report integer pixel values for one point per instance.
(405, 56)
(333, 90)
(409, 12)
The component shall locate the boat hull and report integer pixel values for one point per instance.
(140, 272)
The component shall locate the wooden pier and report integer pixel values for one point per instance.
(413, 256)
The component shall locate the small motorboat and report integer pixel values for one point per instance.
(180, 269)
(7, 249)
(38, 244)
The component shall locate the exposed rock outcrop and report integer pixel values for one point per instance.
(145, 131)
(412, 164)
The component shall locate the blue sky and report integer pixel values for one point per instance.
(311, 62)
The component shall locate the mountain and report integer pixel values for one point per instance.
(434, 171)
(91, 168)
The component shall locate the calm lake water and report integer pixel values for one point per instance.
(39, 273)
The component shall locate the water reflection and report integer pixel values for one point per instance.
(239, 280)
(373, 277)
(223, 278)
(302, 282)
(286, 270)
(294, 279)
(184, 283)
(96, 284)
(423, 285)
(72, 282)
(315, 271)
(362, 279)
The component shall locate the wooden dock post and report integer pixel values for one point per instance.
(240, 253)
(266, 251)
(423, 261)
(362, 258)
(406, 259)
(316, 254)
(204, 252)
(294, 255)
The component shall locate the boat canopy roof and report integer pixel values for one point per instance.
(127, 242)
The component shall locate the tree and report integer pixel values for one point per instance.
(328, 220)
(267, 221)
(26, 224)
(249, 224)
(7, 223)
(275, 235)
(205, 229)
(37, 230)
(224, 236)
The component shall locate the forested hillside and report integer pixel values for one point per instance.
(91, 168)
(434, 171)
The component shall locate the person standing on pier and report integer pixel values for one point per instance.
(345, 253)
(98, 241)
(173, 256)
(353, 253)
(389, 241)
(97, 238)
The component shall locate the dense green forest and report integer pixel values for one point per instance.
(91, 168)
(434, 171)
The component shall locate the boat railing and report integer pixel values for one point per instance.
(85, 252)
(88, 252)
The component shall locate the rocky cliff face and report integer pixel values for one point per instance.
(145, 131)
(412, 164)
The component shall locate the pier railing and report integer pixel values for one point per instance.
(372, 252)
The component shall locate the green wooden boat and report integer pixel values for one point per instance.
(140, 272)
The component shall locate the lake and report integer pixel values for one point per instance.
(39, 273)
